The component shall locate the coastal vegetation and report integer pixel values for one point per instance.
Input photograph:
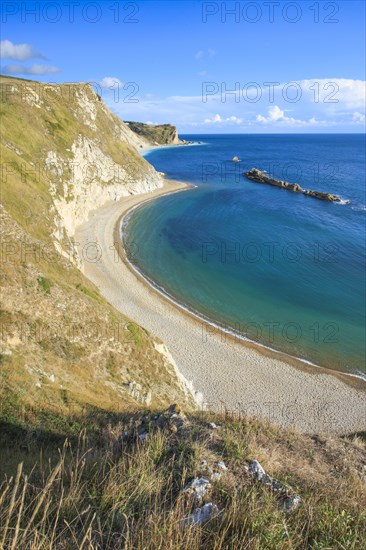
(59, 335)
(90, 454)
(103, 480)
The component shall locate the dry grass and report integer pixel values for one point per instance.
(102, 490)
(64, 344)
(61, 342)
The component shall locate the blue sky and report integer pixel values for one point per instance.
(173, 61)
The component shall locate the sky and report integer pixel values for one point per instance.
(206, 67)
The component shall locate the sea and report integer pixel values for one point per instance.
(271, 266)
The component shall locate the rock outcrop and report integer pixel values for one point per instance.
(159, 134)
(290, 500)
(74, 156)
(322, 196)
(260, 177)
(202, 486)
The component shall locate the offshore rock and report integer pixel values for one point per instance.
(261, 177)
(322, 196)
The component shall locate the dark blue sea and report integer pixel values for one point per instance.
(275, 267)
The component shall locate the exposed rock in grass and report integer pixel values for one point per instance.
(202, 514)
(136, 491)
(291, 501)
(198, 488)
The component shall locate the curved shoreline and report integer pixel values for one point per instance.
(196, 316)
(298, 362)
(240, 374)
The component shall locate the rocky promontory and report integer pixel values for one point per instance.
(155, 134)
(261, 177)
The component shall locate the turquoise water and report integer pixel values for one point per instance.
(278, 268)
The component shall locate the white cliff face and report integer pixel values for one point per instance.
(88, 156)
(88, 104)
(95, 179)
(87, 109)
(186, 385)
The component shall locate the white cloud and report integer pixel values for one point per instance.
(110, 82)
(347, 92)
(323, 92)
(217, 119)
(277, 115)
(23, 52)
(274, 113)
(18, 52)
(358, 117)
(34, 69)
(205, 53)
(234, 119)
(305, 115)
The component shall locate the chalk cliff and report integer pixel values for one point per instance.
(64, 153)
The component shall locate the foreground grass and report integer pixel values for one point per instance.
(105, 488)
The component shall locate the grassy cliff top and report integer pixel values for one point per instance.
(46, 133)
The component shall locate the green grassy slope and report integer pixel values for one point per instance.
(62, 344)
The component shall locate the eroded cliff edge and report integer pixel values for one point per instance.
(64, 154)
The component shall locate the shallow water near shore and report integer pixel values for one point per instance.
(278, 268)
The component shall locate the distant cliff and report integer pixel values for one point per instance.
(161, 134)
